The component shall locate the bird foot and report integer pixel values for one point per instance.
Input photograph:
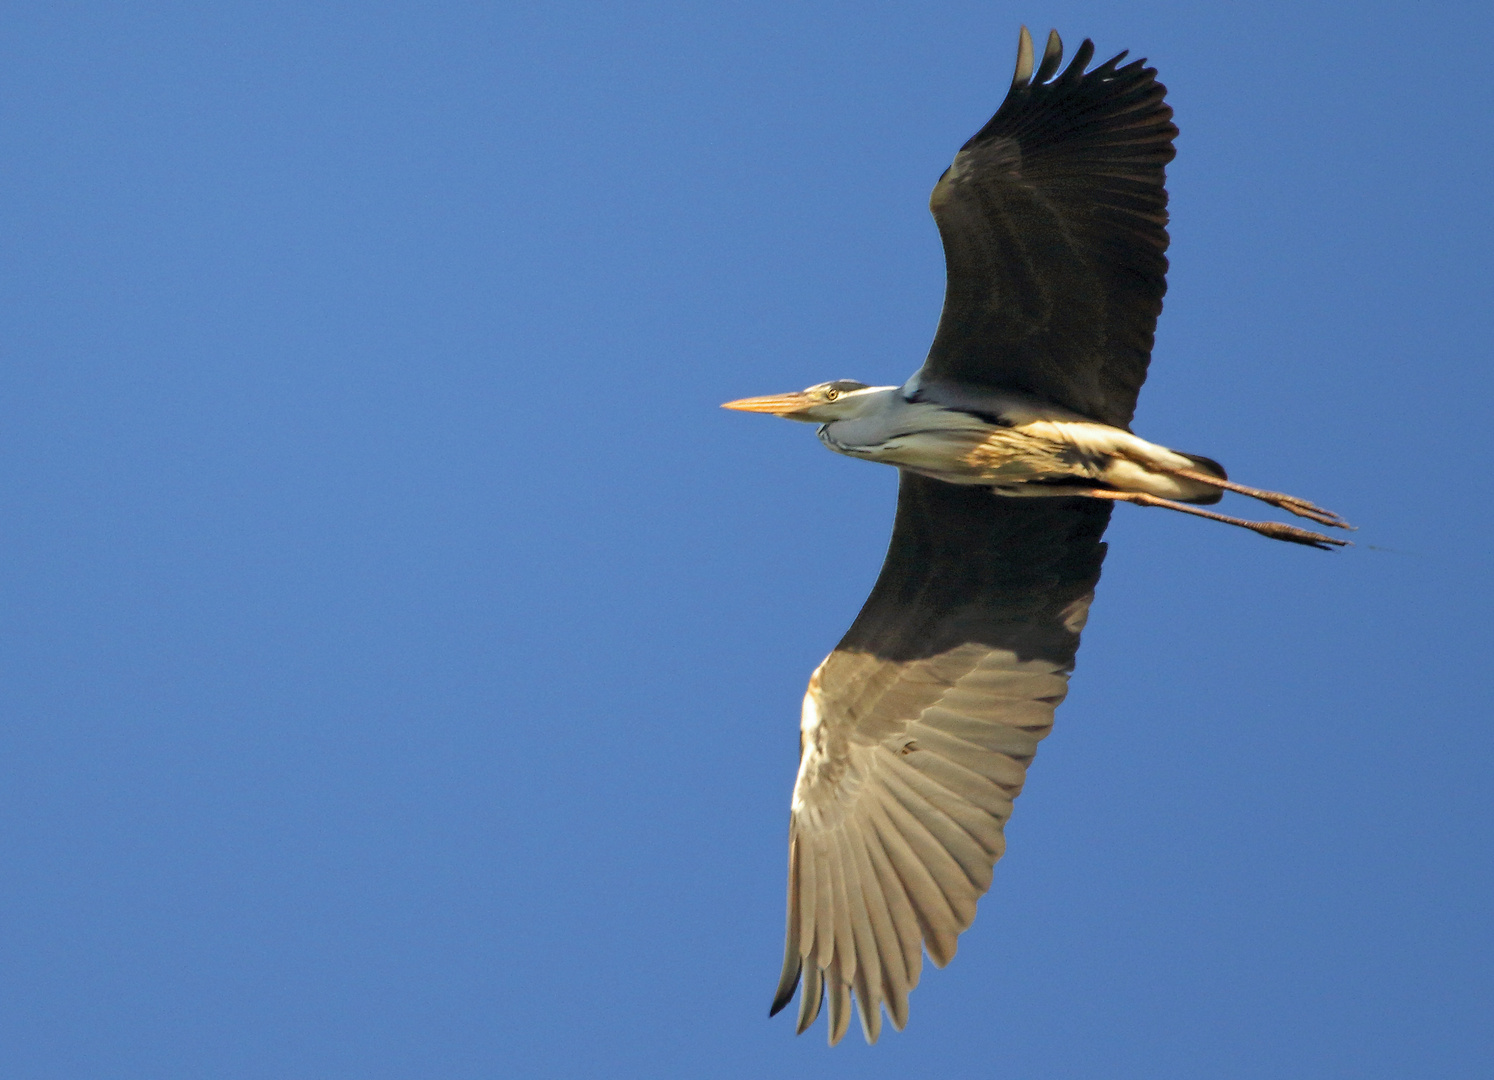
(1303, 508)
(1277, 531)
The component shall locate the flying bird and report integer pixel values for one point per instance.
(1012, 443)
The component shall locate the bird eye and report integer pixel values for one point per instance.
(831, 395)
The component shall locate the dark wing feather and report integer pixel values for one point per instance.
(918, 731)
(1054, 222)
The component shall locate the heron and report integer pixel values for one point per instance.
(1013, 444)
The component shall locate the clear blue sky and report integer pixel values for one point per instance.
(401, 653)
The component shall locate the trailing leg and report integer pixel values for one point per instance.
(1273, 529)
(1290, 503)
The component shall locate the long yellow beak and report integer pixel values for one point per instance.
(777, 404)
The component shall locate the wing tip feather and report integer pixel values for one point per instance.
(1023, 75)
(810, 998)
(1052, 57)
(839, 994)
(787, 984)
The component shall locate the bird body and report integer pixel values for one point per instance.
(1013, 443)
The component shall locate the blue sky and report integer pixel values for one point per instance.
(400, 653)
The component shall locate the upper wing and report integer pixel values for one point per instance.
(917, 733)
(1054, 222)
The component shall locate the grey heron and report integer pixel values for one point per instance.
(1012, 442)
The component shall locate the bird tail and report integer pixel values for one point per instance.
(1207, 496)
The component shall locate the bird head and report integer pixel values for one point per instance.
(820, 404)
